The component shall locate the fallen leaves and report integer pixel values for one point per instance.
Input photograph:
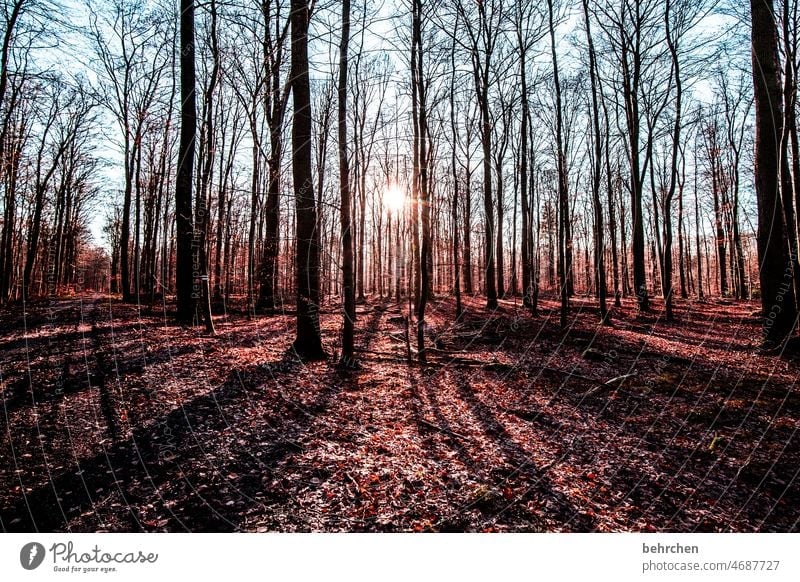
(505, 431)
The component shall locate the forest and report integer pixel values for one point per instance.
(410, 265)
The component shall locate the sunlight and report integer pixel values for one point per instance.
(394, 198)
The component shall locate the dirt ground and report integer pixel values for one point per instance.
(114, 419)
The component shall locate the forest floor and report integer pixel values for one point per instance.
(113, 419)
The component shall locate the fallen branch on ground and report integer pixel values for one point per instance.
(608, 384)
(441, 429)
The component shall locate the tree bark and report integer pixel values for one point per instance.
(599, 245)
(184, 280)
(420, 127)
(777, 301)
(308, 343)
(348, 291)
(564, 264)
(666, 275)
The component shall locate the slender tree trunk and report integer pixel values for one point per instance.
(526, 250)
(718, 228)
(220, 226)
(362, 223)
(33, 239)
(597, 169)
(421, 157)
(454, 169)
(183, 186)
(697, 233)
(125, 272)
(349, 296)
(5, 55)
(251, 239)
(269, 261)
(625, 267)
(467, 266)
(682, 233)
(501, 285)
(9, 220)
(737, 242)
(482, 87)
(666, 275)
(612, 221)
(137, 225)
(564, 266)
(631, 75)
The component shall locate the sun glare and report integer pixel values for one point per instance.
(394, 198)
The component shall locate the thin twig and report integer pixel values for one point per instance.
(607, 384)
(441, 429)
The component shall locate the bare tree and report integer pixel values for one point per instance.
(345, 203)
(775, 274)
(308, 343)
(420, 183)
(481, 40)
(275, 98)
(597, 140)
(184, 279)
(133, 52)
(561, 171)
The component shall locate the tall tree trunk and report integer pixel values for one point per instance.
(501, 285)
(254, 210)
(420, 127)
(206, 164)
(666, 275)
(12, 20)
(625, 268)
(631, 76)
(6, 254)
(564, 265)
(125, 271)
(183, 187)
(787, 182)
(655, 224)
(697, 232)
(719, 231)
(137, 225)
(482, 86)
(467, 266)
(9, 219)
(612, 221)
(33, 239)
(597, 169)
(348, 292)
(526, 250)
(42, 178)
(269, 260)
(275, 100)
(737, 241)
(415, 268)
(454, 169)
(362, 224)
(308, 343)
(222, 218)
(777, 301)
(681, 232)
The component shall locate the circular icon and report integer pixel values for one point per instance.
(31, 555)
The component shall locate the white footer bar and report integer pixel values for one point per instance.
(400, 557)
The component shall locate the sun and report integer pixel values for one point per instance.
(394, 198)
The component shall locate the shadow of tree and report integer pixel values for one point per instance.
(182, 466)
(520, 461)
